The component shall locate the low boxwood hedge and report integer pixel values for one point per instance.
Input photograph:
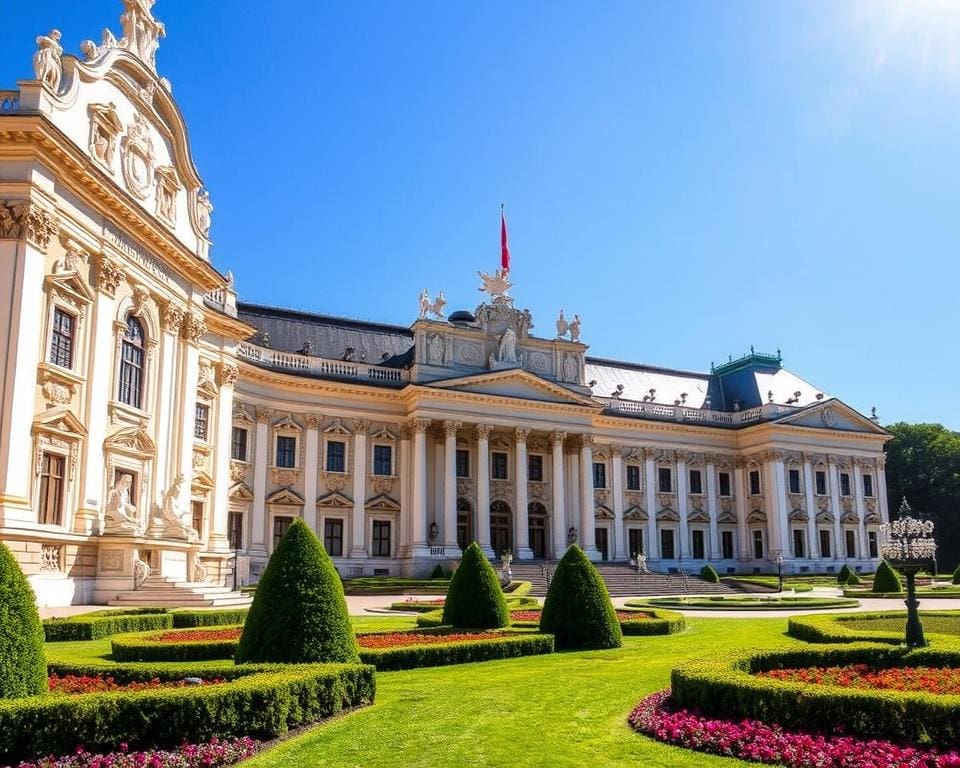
(431, 619)
(100, 624)
(143, 646)
(215, 618)
(461, 652)
(739, 603)
(262, 702)
(943, 593)
(661, 623)
(841, 629)
(726, 687)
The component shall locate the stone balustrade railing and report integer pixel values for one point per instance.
(705, 416)
(320, 366)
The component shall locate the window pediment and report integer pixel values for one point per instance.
(133, 441)
(286, 498)
(334, 500)
(602, 513)
(60, 421)
(241, 492)
(383, 503)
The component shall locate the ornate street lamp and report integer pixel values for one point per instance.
(908, 545)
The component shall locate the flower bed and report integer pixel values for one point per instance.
(648, 622)
(198, 635)
(929, 679)
(740, 603)
(405, 639)
(212, 754)
(879, 627)
(760, 742)
(419, 606)
(79, 684)
(177, 645)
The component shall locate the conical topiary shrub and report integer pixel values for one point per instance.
(707, 573)
(299, 613)
(438, 572)
(844, 575)
(23, 671)
(853, 580)
(885, 580)
(474, 598)
(577, 610)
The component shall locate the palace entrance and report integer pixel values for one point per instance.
(537, 526)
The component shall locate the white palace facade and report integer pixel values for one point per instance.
(152, 426)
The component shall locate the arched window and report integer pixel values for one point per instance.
(131, 364)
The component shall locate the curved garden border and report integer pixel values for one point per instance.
(759, 604)
(830, 628)
(100, 624)
(656, 622)
(143, 646)
(510, 646)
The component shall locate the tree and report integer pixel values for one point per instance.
(474, 598)
(885, 580)
(23, 670)
(299, 613)
(577, 610)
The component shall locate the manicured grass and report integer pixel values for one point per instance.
(724, 603)
(944, 625)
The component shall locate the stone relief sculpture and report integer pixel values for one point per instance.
(138, 156)
(570, 368)
(47, 65)
(507, 351)
(435, 349)
(141, 32)
(173, 521)
(120, 516)
(91, 50)
(204, 209)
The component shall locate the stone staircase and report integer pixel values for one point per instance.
(622, 580)
(165, 592)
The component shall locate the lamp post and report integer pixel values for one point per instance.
(779, 562)
(908, 545)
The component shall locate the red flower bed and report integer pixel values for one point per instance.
(403, 639)
(525, 615)
(215, 753)
(438, 601)
(763, 743)
(621, 615)
(198, 635)
(75, 684)
(928, 679)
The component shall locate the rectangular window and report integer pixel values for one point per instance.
(51, 489)
(381, 538)
(599, 474)
(196, 509)
(498, 465)
(61, 339)
(698, 548)
(724, 483)
(844, 484)
(798, 543)
(793, 479)
(666, 544)
(754, 482)
(851, 540)
(821, 482)
(286, 451)
(868, 485)
(238, 444)
(336, 456)
(201, 421)
(824, 543)
(635, 536)
(235, 529)
(872, 543)
(535, 467)
(463, 462)
(726, 544)
(383, 460)
(665, 479)
(696, 482)
(281, 523)
(633, 477)
(758, 545)
(333, 537)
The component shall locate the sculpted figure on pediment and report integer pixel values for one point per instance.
(47, 65)
(507, 351)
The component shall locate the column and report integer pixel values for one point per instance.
(573, 491)
(558, 488)
(619, 545)
(588, 533)
(450, 487)
(744, 545)
(311, 460)
(521, 530)
(813, 543)
(436, 498)
(419, 534)
(881, 480)
(775, 497)
(165, 430)
(358, 534)
(683, 546)
(221, 459)
(712, 498)
(483, 489)
(193, 330)
(839, 546)
(650, 482)
(402, 471)
(861, 508)
(259, 519)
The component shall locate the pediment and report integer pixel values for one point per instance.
(834, 415)
(202, 482)
(517, 384)
(287, 423)
(383, 503)
(134, 440)
(797, 516)
(335, 500)
(698, 516)
(727, 518)
(336, 427)
(285, 497)
(71, 287)
(602, 513)
(635, 513)
(824, 516)
(383, 434)
(849, 517)
(241, 492)
(757, 516)
(60, 420)
(668, 515)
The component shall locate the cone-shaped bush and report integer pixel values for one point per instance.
(23, 671)
(844, 575)
(474, 598)
(853, 580)
(956, 575)
(707, 573)
(886, 579)
(577, 610)
(437, 572)
(299, 613)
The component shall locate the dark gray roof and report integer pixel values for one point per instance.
(288, 330)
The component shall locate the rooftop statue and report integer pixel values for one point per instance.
(46, 61)
(497, 285)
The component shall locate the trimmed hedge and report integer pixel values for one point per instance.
(740, 603)
(23, 671)
(430, 619)
(100, 624)
(475, 599)
(662, 623)
(727, 688)
(844, 574)
(141, 647)
(218, 618)
(708, 574)
(830, 628)
(465, 652)
(517, 589)
(259, 701)
(853, 580)
(886, 580)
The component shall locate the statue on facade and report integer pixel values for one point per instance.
(174, 522)
(47, 65)
(562, 325)
(428, 307)
(141, 32)
(120, 516)
(496, 285)
(507, 351)
(575, 328)
(572, 535)
(204, 209)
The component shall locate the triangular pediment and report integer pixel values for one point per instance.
(727, 518)
(602, 513)
(832, 414)
(60, 420)
(824, 516)
(669, 515)
(202, 482)
(241, 492)
(70, 287)
(797, 516)
(517, 384)
(132, 440)
(635, 513)
(757, 516)
(698, 516)
(383, 503)
(334, 500)
(285, 497)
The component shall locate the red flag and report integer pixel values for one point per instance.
(504, 247)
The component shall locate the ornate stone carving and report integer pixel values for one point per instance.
(667, 500)
(823, 502)
(483, 431)
(51, 558)
(428, 307)
(829, 417)
(167, 187)
(229, 374)
(464, 486)
(361, 426)
(109, 275)
(726, 504)
(694, 503)
(420, 425)
(27, 219)
(173, 521)
(600, 496)
(284, 475)
(173, 316)
(521, 434)
(557, 438)
(141, 32)
(334, 481)
(382, 485)
(137, 157)
(263, 413)
(57, 391)
(634, 498)
(120, 515)
(203, 208)
(450, 428)
(199, 459)
(870, 504)
(91, 50)
(435, 349)
(497, 286)
(105, 126)
(847, 503)
(47, 64)
(501, 489)
(194, 327)
(313, 420)
(238, 470)
(796, 501)
(562, 325)
(575, 328)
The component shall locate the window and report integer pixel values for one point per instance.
(196, 509)
(333, 537)
(51, 489)
(758, 544)
(868, 485)
(666, 543)
(633, 477)
(463, 462)
(336, 456)
(844, 484)
(131, 364)
(754, 482)
(635, 536)
(383, 460)
(698, 548)
(281, 523)
(726, 544)
(872, 543)
(235, 529)
(696, 482)
(665, 480)
(851, 541)
(798, 543)
(238, 445)
(286, 451)
(61, 339)
(535, 467)
(599, 474)
(824, 543)
(793, 479)
(724, 483)
(201, 421)
(498, 465)
(820, 478)
(381, 538)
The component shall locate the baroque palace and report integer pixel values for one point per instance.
(153, 428)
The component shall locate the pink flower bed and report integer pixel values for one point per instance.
(927, 679)
(210, 755)
(763, 743)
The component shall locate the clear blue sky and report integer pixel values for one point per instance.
(691, 177)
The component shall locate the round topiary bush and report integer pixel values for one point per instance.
(299, 613)
(474, 598)
(844, 575)
(437, 572)
(886, 580)
(23, 670)
(707, 573)
(577, 610)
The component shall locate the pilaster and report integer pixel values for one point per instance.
(712, 496)
(558, 488)
(520, 520)
(358, 539)
(450, 486)
(619, 545)
(588, 532)
(650, 483)
(311, 460)
(483, 489)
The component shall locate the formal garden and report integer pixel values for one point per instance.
(478, 676)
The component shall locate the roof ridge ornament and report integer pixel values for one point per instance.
(141, 34)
